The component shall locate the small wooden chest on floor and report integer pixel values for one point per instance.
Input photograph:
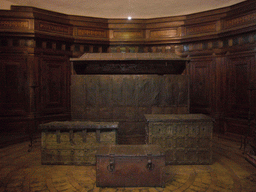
(130, 166)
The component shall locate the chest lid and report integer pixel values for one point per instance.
(177, 118)
(130, 150)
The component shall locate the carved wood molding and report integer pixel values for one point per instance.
(53, 28)
(128, 34)
(83, 32)
(163, 33)
(242, 20)
(201, 29)
(17, 24)
(191, 28)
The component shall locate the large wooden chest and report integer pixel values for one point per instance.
(74, 142)
(126, 98)
(130, 166)
(186, 138)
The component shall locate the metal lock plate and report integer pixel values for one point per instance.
(150, 166)
(111, 166)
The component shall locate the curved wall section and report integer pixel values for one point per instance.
(220, 44)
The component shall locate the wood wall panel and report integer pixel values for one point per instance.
(201, 86)
(219, 91)
(238, 84)
(15, 94)
(239, 80)
(13, 100)
(54, 85)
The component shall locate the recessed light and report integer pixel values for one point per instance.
(129, 18)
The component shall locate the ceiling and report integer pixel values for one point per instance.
(123, 8)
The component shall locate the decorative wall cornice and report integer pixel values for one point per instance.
(177, 30)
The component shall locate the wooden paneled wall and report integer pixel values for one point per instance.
(36, 44)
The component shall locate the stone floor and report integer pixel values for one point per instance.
(21, 170)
